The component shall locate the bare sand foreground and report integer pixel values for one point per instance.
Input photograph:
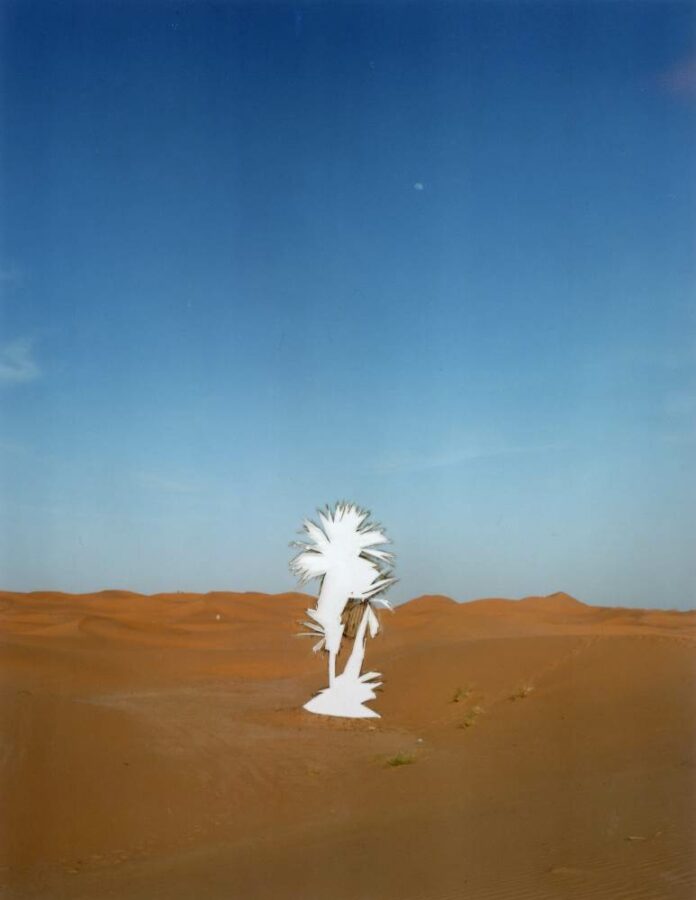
(156, 747)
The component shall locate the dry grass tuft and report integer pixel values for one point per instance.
(461, 694)
(400, 759)
(522, 692)
(470, 718)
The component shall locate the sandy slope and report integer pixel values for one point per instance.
(155, 747)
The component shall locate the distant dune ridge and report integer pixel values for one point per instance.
(155, 745)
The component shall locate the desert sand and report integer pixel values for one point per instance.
(155, 747)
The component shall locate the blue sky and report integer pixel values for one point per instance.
(434, 258)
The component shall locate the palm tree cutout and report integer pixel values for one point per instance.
(343, 551)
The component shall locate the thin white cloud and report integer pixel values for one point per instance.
(681, 404)
(166, 485)
(680, 412)
(17, 363)
(679, 437)
(10, 276)
(11, 447)
(436, 460)
(680, 78)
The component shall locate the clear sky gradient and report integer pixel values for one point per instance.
(436, 258)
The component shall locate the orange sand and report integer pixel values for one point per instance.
(156, 747)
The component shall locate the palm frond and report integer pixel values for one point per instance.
(343, 535)
(378, 587)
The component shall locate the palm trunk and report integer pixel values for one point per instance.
(357, 655)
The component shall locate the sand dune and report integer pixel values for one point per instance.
(156, 746)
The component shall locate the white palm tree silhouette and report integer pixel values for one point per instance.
(343, 551)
